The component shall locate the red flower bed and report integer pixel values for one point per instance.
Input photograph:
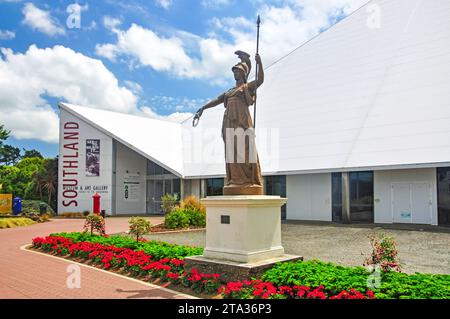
(139, 264)
(265, 290)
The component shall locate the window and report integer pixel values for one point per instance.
(361, 196)
(443, 185)
(336, 196)
(214, 186)
(276, 185)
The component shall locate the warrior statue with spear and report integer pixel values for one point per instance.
(243, 172)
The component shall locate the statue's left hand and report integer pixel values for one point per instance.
(258, 58)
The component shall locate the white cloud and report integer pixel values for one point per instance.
(7, 35)
(216, 3)
(166, 4)
(57, 72)
(41, 20)
(191, 56)
(136, 88)
(159, 53)
(174, 117)
(111, 23)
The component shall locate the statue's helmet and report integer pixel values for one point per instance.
(245, 65)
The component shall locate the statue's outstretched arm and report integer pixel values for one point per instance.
(208, 105)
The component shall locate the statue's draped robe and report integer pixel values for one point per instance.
(246, 171)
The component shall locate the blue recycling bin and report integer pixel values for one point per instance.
(17, 205)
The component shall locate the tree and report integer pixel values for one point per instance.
(32, 153)
(45, 179)
(4, 134)
(9, 154)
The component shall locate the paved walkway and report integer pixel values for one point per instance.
(26, 274)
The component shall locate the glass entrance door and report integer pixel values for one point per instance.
(156, 189)
(361, 197)
(443, 184)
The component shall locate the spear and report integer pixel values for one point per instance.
(258, 22)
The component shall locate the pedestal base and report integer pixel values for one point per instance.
(244, 229)
(234, 271)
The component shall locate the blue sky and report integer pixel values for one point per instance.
(157, 58)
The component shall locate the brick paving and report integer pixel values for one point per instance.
(26, 274)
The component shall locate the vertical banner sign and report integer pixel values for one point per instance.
(92, 157)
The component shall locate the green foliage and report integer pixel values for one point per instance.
(32, 177)
(178, 218)
(315, 273)
(196, 218)
(139, 226)
(15, 222)
(9, 154)
(190, 213)
(32, 153)
(337, 278)
(159, 250)
(169, 202)
(94, 223)
(32, 207)
(396, 285)
(4, 134)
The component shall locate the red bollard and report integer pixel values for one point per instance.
(96, 204)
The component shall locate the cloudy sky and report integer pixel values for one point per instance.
(156, 58)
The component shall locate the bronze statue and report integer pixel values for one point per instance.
(243, 172)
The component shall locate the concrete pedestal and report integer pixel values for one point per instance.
(243, 228)
(243, 236)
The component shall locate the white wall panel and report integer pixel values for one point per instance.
(131, 168)
(309, 197)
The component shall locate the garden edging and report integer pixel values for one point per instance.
(27, 247)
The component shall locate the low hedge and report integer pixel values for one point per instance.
(337, 278)
(184, 218)
(159, 250)
(32, 207)
(15, 222)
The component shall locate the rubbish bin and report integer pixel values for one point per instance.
(42, 208)
(17, 205)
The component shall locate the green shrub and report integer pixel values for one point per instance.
(190, 212)
(159, 250)
(139, 226)
(15, 222)
(32, 207)
(177, 219)
(169, 202)
(196, 218)
(337, 278)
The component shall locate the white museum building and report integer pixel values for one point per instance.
(352, 126)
